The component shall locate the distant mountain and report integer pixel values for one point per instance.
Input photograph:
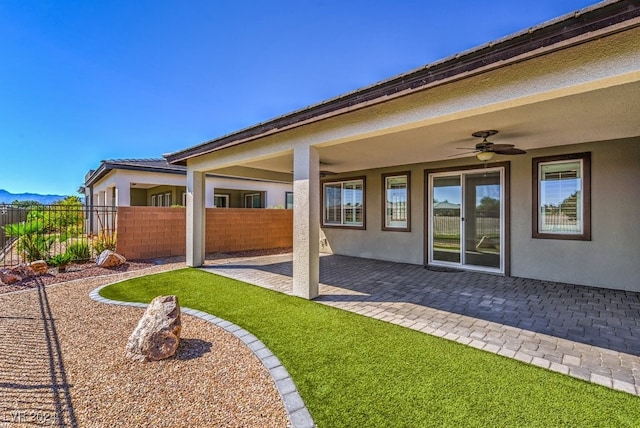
(7, 197)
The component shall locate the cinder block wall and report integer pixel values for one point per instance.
(149, 232)
(240, 229)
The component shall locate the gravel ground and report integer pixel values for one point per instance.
(62, 364)
(73, 271)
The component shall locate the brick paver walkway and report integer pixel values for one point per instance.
(586, 332)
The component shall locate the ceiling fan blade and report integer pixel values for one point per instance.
(461, 154)
(511, 151)
(466, 148)
(496, 147)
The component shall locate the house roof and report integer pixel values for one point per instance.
(148, 165)
(574, 28)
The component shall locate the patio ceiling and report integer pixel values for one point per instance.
(603, 114)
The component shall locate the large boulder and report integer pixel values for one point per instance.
(157, 335)
(39, 267)
(23, 270)
(108, 258)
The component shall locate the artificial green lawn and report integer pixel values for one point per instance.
(356, 371)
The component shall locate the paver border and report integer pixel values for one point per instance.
(297, 411)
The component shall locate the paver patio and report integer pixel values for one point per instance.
(586, 332)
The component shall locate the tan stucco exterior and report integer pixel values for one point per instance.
(609, 260)
(135, 188)
(582, 95)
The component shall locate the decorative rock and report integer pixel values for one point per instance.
(25, 271)
(7, 277)
(108, 258)
(39, 267)
(157, 335)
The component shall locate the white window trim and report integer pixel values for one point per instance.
(222, 196)
(404, 226)
(584, 213)
(343, 224)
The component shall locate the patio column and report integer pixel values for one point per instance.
(195, 218)
(306, 222)
(123, 195)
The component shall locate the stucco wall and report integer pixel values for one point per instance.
(175, 191)
(149, 232)
(611, 259)
(138, 197)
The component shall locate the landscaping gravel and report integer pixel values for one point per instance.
(62, 364)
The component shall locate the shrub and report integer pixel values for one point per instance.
(78, 251)
(106, 240)
(60, 259)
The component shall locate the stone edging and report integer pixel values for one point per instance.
(297, 411)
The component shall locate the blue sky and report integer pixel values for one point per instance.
(82, 81)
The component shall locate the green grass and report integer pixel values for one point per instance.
(355, 371)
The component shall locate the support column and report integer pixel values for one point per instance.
(196, 226)
(306, 222)
(123, 195)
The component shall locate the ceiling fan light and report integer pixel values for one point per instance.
(485, 156)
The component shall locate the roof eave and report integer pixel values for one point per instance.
(568, 30)
(106, 167)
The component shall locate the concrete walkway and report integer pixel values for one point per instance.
(588, 333)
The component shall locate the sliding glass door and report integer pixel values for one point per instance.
(466, 219)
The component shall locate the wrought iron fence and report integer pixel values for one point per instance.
(58, 234)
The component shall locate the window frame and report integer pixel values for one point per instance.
(385, 177)
(252, 196)
(286, 200)
(323, 185)
(225, 196)
(585, 159)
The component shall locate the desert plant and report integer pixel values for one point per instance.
(60, 261)
(33, 241)
(106, 240)
(79, 251)
(36, 246)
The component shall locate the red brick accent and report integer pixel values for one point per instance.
(148, 232)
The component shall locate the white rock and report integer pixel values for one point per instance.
(157, 335)
(108, 258)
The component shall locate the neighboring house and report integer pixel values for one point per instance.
(370, 167)
(155, 182)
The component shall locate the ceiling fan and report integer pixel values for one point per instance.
(485, 150)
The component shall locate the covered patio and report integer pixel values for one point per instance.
(561, 99)
(586, 332)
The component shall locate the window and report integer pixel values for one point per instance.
(562, 197)
(160, 200)
(288, 196)
(396, 205)
(184, 199)
(167, 199)
(221, 201)
(344, 203)
(252, 200)
(154, 201)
